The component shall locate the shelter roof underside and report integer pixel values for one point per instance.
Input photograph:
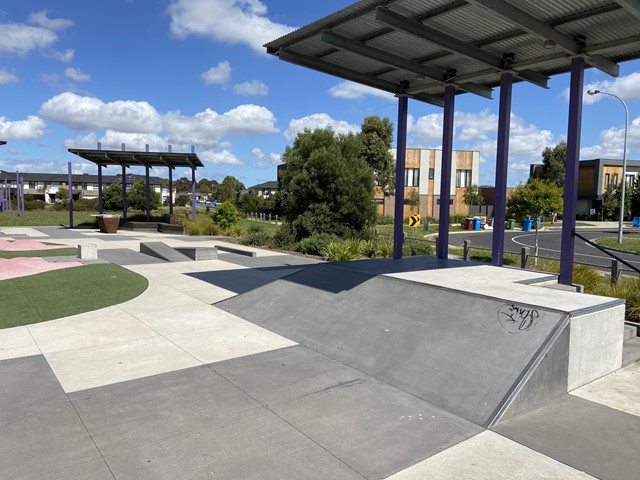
(133, 159)
(417, 47)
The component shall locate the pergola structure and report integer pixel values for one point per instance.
(127, 158)
(433, 50)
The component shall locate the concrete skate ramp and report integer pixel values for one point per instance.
(163, 251)
(480, 358)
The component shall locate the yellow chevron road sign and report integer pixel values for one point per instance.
(414, 220)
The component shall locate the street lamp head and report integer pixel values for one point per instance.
(593, 92)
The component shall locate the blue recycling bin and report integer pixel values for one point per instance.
(476, 223)
(526, 225)
(539, 222)
(636, 221)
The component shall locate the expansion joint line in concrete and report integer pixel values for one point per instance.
(531, 367)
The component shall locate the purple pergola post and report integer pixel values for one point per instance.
(70, 184)
(147, 191)
(100, 208)
(124, 190)
(571, 171)
(401, 153)
(502, 163)
(22, 194)
(193, 193)
(445, 179)
(170, 187)
(18, 193)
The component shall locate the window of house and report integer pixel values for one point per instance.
(33, 185)
(431, 173)
(438, 202)
(606, 180)
(630, 180)
(615, 179)
(412, 177)
(463, 178)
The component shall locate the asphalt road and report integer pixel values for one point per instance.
(549, 244)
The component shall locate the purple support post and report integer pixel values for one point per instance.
(502, 163)
(401, 143)
(124, 193)
(146, 183)
(193, 193)
(70, 185)
(171, 190)
(100, 208)
(22, 194)
(18, 193)
(571, 171)
(445, 179)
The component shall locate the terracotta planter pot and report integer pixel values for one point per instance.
(108, 223)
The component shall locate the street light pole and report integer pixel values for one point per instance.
(624, 158)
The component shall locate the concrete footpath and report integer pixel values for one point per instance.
(170, 386)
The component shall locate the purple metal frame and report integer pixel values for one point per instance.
(22, 194)
(18, 192)
(401, 152)
(502, 164)
(100, 207)
(445, 175)
(170, 186)
(124, 193)
(146, 184)
(571, 171)
(70, 184)
(193, 193)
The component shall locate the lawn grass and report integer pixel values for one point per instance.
(630, 242)
(57, 252)
(60, 293)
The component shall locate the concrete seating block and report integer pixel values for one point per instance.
(88, 252)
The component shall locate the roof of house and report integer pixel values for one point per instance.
(270, 185)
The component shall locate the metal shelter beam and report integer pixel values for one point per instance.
(545, 32)
(571, 171)
(631, 6)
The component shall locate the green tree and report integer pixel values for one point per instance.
(183, 184)
(137, 197)
(376, 136)
(627, 202)
(414, 200)
(610, 201)
(225, 215)
(554, 160)
(62, 195)
(472, 196)
(112, 197)
(634, 203)
(327, 186)
(228, 190)
(536, 198)
(248, 202)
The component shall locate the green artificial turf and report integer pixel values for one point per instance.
(60, 293)
(57, 252)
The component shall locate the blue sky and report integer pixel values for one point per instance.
(193, 72)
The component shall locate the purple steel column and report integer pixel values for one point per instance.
(193, 193)
(401, 143)
(445, 178)
(171, 190)
(18, 193)
(502, 163)
(100, 209)
(22, 194)
(124, 194)
(70, 185)
(571, 175)
(146, 180)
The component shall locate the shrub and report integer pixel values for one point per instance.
(384, 220)
(255, 235)
(202, 226)
(225, 215)
(457, 219)
(284, 238)
(414, 247)
(342, 251)
(34, 204)
(85, 205)
(316, 244)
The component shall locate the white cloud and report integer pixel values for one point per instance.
(229, 21)
(65, 56)
(474, 126)
(76, 74)
(83, 113)
(356, 91)
(318, 120)
(627, 87)
(219, 74)
(256, 152)
(42, 20)
(527, 141)
(253, 87)
(612, 142)
(221, 157)
(29, 129)
(7, 76)
(275, 158)
(206, 127)
(20, 39)
(425, 130)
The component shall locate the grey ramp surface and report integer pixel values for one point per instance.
(41, 431)
(587, 436)
(163, 251)
(456, 351)
(243, 280)
(126, 256)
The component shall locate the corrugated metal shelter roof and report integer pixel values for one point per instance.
(145, 159)
(417, 47)
(76, 178)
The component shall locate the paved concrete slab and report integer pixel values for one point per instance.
(411, 341)
(92, 470)
(129, 414)
(163, 251)
(17, 342)
(99, 327)
(281, 261)
(83, 368)
(489, 456)
(26, 231)
(258, 446)
(43, 429)
(593, 438)
(619, 390)
(126, 256)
